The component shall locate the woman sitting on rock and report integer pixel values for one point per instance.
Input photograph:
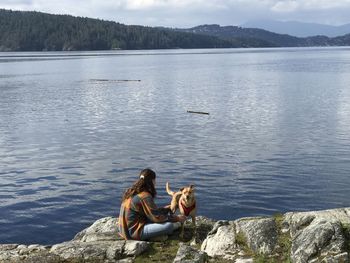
(139, 217)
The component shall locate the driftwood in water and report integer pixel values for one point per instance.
(114, 80)
(198, 112)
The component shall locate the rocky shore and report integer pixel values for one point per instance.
(317, 236)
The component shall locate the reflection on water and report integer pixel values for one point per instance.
(74, 134)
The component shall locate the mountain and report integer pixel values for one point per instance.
(267, 38)
(299, 29)
(35, 31)
(231, 32)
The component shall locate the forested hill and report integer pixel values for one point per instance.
(267, 37)
(35, 31)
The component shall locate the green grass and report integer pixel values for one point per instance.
(346, 232)
(283, 247)
(160, 252)
(282, 250)
(260, 258)
(278, 219)
(266, 259)
(241, 241)
(165, 251)
(219, 260)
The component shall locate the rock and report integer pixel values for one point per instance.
(187, 254)
(217, 225)
(297, 220)
(89, 251)
(102, 251)
(319, 238)
(43, 257)
(125, 260)
(135, 248)
(115, 250)
(97, 243)
(7, 247)
(26, 254)
(222, 242)
(244, 260)
(317, 235)
(203, 226)
(260, 234)
(104, 229)
(298, 223)
(343, 257)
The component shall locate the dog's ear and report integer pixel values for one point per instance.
(192, 187)
(182, 188)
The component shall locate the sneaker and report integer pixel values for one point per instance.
(159, 238)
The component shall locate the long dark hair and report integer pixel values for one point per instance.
(144, 183)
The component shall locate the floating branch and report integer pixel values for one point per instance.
(125, 80)
(198, 112)
(114, 80)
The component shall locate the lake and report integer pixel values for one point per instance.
(77, 127)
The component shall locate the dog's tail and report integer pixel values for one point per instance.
(168, 189)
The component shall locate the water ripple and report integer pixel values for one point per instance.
(277, 138)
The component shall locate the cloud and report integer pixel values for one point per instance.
(285, 6)
(325, 4)
(309, 5)
(15, 2)
(183, 13)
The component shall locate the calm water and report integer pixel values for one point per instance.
(73, 135)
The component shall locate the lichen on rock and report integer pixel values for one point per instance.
(298, 237)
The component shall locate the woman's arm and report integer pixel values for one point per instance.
(177, 218)
(152, 212)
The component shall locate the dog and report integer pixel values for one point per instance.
(185, 201)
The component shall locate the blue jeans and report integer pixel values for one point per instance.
(154, 229)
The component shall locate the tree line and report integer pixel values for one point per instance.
(36, 31)
(263, 38)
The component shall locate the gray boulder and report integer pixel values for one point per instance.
(297, 223)
(26, 254)
(340, 258)
(102, 251)
(89, 251)
(104, 229)
(260, 233)
(135, 248)
(221, 241)
(187, 254)
(244, 260)
(125, 260)
(203, 226)
(217, 225)
(97, 243)
(318, 236)
(294, 221)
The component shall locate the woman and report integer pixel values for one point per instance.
(139, 217)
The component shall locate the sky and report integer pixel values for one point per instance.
(188, 13)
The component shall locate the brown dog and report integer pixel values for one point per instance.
(186, 202)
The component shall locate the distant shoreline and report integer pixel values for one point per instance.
(80, 53)
(48, 32)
